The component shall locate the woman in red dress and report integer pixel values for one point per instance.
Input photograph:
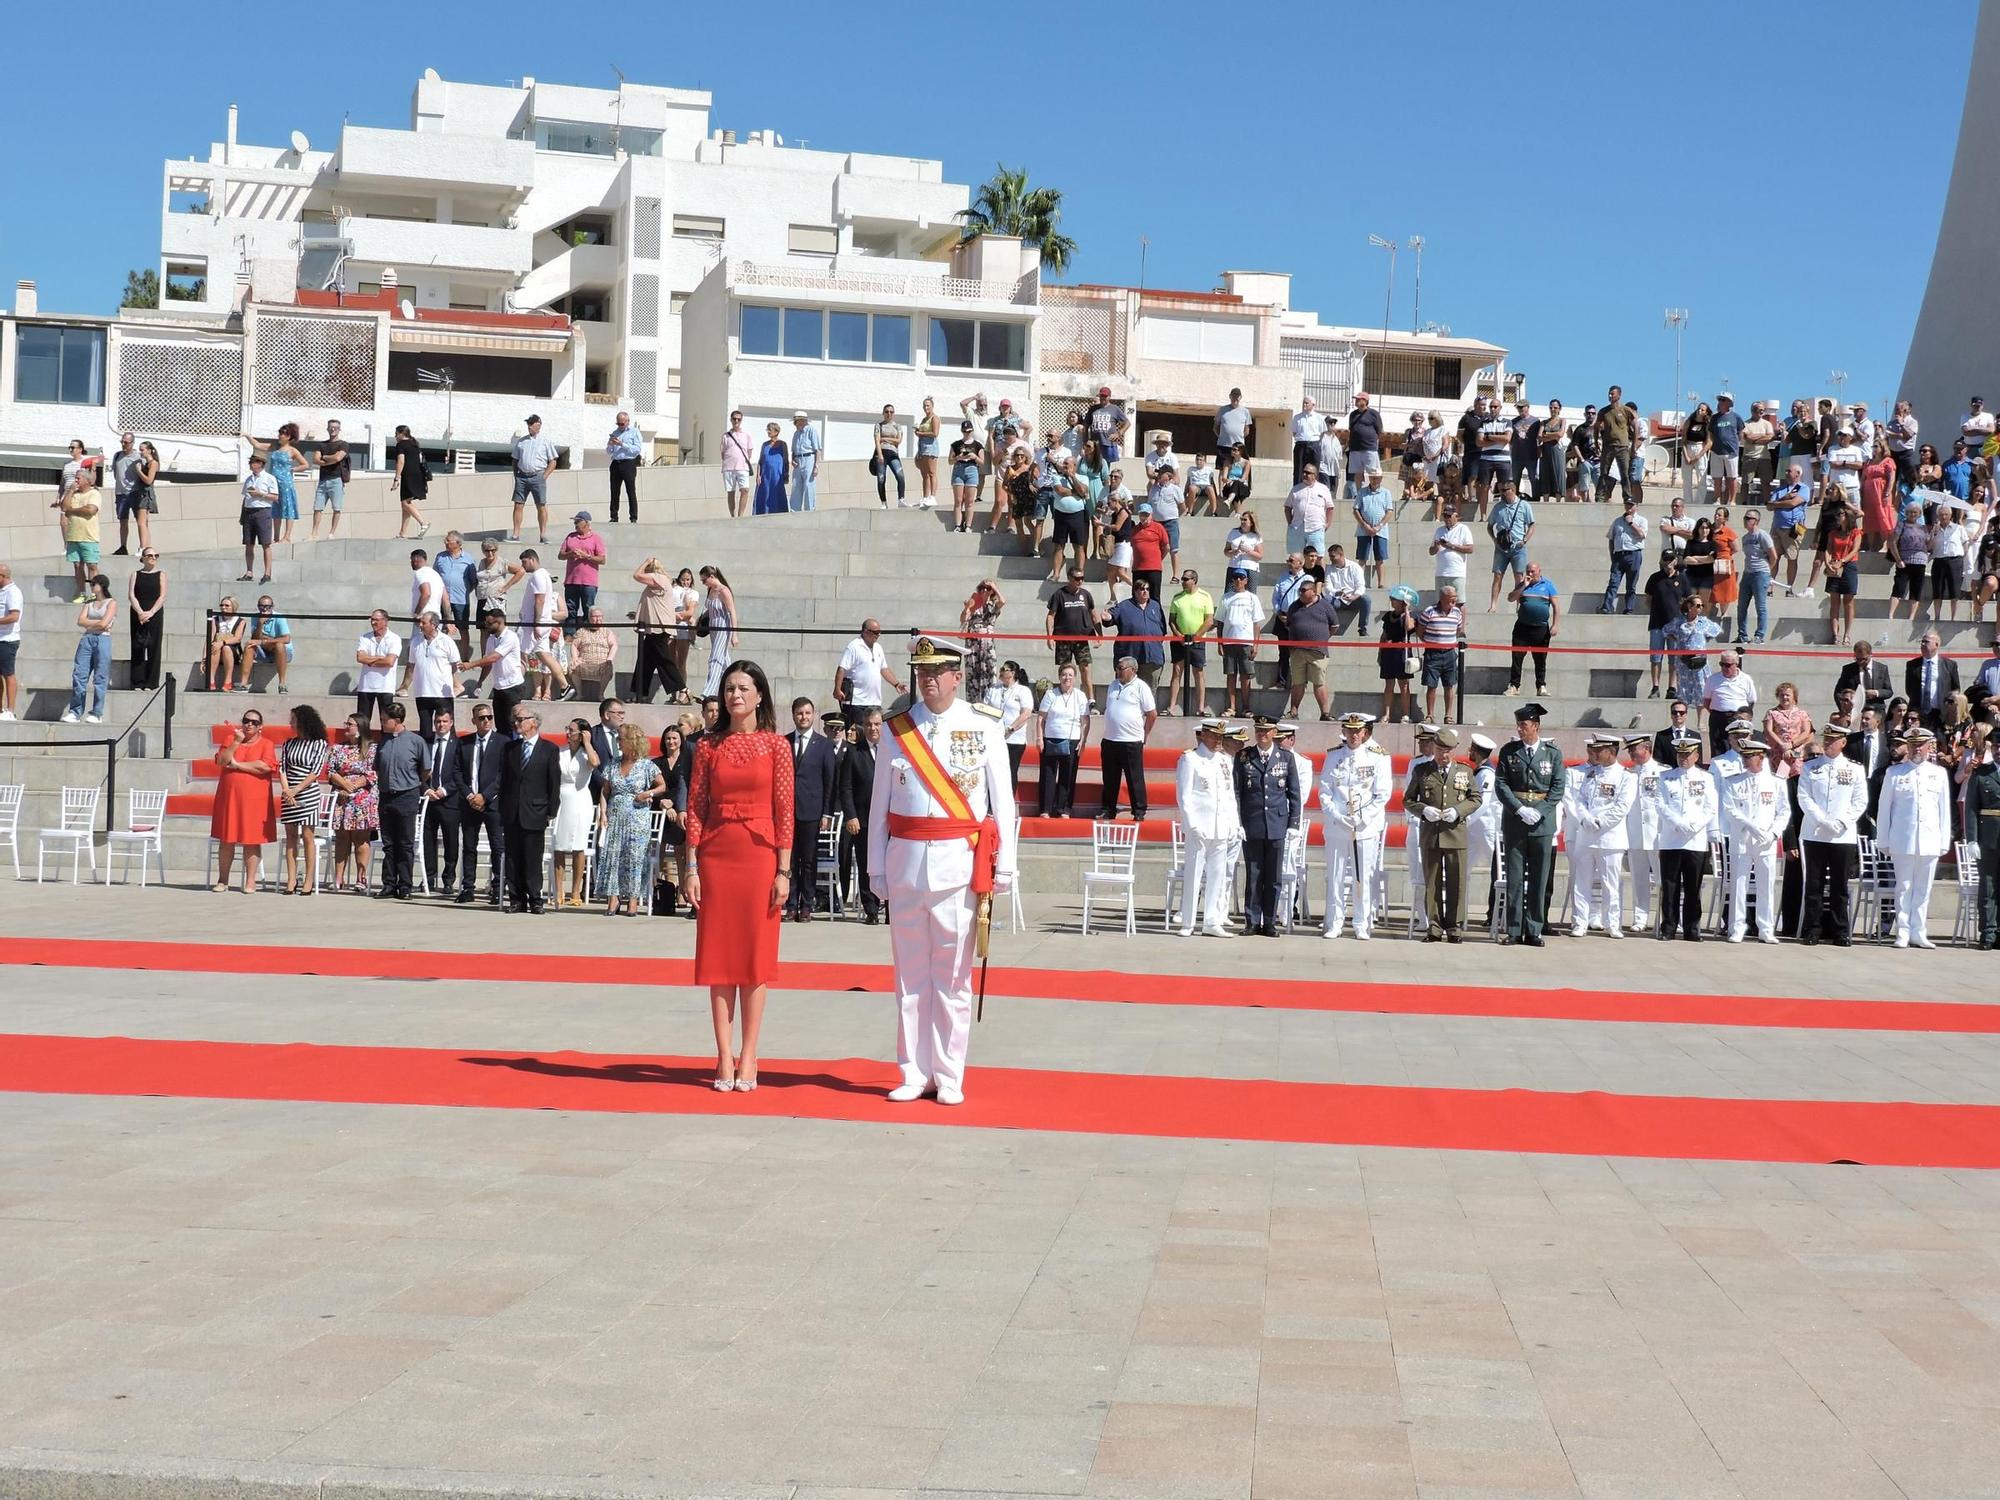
(244, 813)
(739, 855)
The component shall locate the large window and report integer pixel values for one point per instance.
(969, 344)
(1426, 377)
(488, 374)
(61, 366)
(809, 333)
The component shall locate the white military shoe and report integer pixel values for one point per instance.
(949, 1095)
(904, 1093)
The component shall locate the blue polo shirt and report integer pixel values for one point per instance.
(1788, 506)
(1958, 477)
(1128, 620)
(1536, 606)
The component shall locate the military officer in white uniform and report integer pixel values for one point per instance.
(1205, 792)
(1413, 842)
(1642, 828)
(1595, 805)
(924, 852)
(1755, 809)
(1729, 763)
(1913, 822)
(1355, 784)
(1294, 868)
(1690, 821)
(1833, 799)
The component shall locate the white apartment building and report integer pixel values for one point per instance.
(606, 206)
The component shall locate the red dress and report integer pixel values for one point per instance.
(1878, 512)
(245, 810)
(739, 807)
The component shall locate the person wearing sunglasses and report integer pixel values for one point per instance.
(146, 596)
(244, 816)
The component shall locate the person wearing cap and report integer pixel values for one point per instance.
(1833, 799)
(1270, 804)
(1913, 824)
(1755, 809)
(1165, 495)
(966, 458)
(1293, 864)
(582, 554)
(1529, 778)
(1108, 423)
(805, 465)
(1205, 793)
(1728, 761)
(1445, 799)
(940, 838)
(1597, 802)
(1690, 823)
(1725, 450)
(1642, 828)
(626, 449)
(1190, 614)
(1483, 827)
(1982, 827)
(534, 460)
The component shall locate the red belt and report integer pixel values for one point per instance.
(982, 835)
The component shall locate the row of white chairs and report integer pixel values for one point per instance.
(74, 836)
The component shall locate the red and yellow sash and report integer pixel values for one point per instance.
(958, 821)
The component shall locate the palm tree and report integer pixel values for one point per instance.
(1005, 204)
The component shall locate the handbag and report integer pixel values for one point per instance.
(1724, 566)
(875, 465)
(701, 627)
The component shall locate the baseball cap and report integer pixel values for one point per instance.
(533, 417)
(582, 515)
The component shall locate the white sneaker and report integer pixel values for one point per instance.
(1221, 932)
(1581, 929)
(949, 1096)
(69, 717)
(1922, 942)
(1767, 937)
(1362, 934)
(6, 718)
(1735, 937)
(93, 718)
(904, 1093)
(1615, 931)
(1329, 933)
(1901, 941)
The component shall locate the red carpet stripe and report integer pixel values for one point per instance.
(1589, 1124)
(1093, 985)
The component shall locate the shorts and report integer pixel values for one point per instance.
(1371, 548)
(1173, 534)
(263, 649)
(8, 651)
(1364, 461)
(1454, 581)
(1072, 528)
(1846, 581)
(1789, 539)
(1315, 670)
(1045, 499)
(1441, 668)
(966, 475)
(1724, 465)
(130, 505)
(927, 447)
(329, 495)
(1189, 654)
(1492, 470)
(257, 526)
(1909, 582)
(736, 479)
(532, 487)
(1656, 643)
(1070, 653)
(1509, 557)
(80, 552)
(1236, 660)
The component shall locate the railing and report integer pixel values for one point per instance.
(882, 283)
(167, 690)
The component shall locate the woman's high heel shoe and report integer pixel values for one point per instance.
(747, 1085)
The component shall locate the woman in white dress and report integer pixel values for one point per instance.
(576, 814)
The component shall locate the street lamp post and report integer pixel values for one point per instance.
(1676, 318)
(1839, 379)
(1388, 297)
(1417, 311)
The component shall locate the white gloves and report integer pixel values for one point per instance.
(1432, 814)
(1003, 882)
(1451, 815)
(1529, 815)
(882, 891)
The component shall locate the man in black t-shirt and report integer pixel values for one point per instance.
(330, 459)
(1072, 612)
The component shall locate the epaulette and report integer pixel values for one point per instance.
(988, 709)
(1376, 746)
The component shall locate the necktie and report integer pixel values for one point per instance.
(437, 763)
(1930, 682)
(527, 749)
(478, 752)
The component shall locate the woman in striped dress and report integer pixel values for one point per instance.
(301, 784)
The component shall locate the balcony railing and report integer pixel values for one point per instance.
(872, 283)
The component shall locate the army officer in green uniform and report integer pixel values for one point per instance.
(1442, 796)
(1529, 782)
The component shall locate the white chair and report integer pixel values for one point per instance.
(826, 868)
(77, 835)
(321, 833)
(1875, 906)
(1718, 891)
(144, 834)
(1016, 916)
(1965, 928)
(1176, 877)
(1496, 923)
(1292, 871)
(1114, 850)
(10, 821)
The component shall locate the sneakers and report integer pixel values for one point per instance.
(93, 718)
(70, 716)
(6, 718)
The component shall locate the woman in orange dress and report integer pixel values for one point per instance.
(738, 861)
(1723, 596)
(244, 813)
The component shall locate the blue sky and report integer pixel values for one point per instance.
(1781, 181)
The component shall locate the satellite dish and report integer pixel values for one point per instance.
(299, 142)
(431, 76)
(406, 308)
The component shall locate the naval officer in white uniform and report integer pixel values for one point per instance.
(1913, 823)
(926, 840)
(1355, 785)
(1205, 792)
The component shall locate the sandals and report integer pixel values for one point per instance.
(220, 887)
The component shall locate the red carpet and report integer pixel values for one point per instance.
(1593, 1124)
(1098, 985)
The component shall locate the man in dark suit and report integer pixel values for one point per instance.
(1870, 745)
(813, 805)
(444, 805)
(480, 755)
(1663, 740)
(1270, 803)
(530, 778)
(834, 727)
(1929, 678)
(1867, 677)
(856, 783)
(604, 740)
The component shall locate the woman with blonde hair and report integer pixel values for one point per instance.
(630, 786)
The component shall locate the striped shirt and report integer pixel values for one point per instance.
(1439, 629)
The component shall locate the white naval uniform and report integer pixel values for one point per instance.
(1596, 802)
(1755, 809)
(1482, 829)
(1833, 799)
(1913, 823)
(1354, 790)
(1690, 811)
(933, 915)
(1205, 792)
(1413, 848)
(1294, 866)
(1642, 838)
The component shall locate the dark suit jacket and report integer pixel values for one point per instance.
(857, 783)
(489, 764)
(451, 775)
(1268, 795)
(607, 755)
(1913, 684)
(528, 793)
(1872, 693)
(1857, 749)
(812, 778)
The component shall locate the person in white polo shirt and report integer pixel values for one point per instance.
(1130, 712)
(1308, 427)
(1728, 693)
(534, 460)
(431, 673)
(863, 669)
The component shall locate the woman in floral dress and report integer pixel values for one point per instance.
(977, 619)
(350, 771)
(628, 786)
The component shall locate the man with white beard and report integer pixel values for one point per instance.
(1354, 789)
(1595, 807)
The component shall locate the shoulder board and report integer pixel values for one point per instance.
(987, 709)
(1372, 745)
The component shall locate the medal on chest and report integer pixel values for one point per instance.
(966, 758)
